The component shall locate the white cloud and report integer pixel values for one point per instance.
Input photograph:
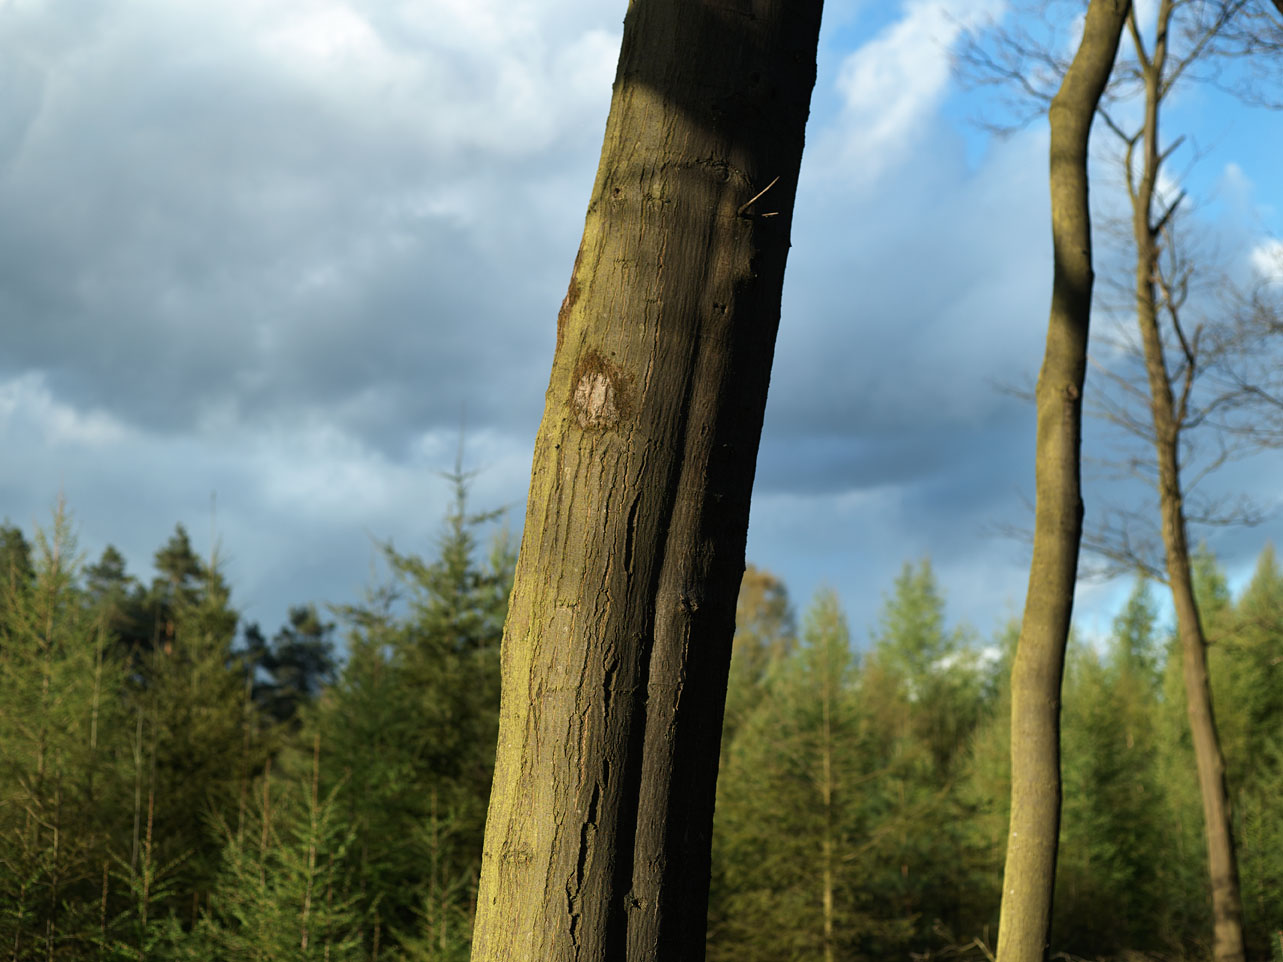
(29, 412)
(892, 85)
(323, 36)
(1267, 260)
(320, 493)
(587, 65)
(317, 469)
(1076, 27)
(1166, 189)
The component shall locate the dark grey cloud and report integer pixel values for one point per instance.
(195, 227)
(906, 304)
(278, 252)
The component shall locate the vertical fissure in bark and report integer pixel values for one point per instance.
(617, 644)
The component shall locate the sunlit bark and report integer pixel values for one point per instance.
(1030, 870)
(618, 638)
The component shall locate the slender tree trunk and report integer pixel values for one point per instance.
(1227, 905)
(1029, 875)
(826, 792)
(617, 643)
(1168, 416)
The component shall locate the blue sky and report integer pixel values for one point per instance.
(274, 250)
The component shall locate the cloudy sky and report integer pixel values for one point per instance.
(271, 253)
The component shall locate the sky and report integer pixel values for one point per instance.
(260, 260)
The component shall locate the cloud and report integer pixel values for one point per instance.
(29, 413)
(857, 542)
(284, 261)
(892, 85)
(1267, 260)
(322, 492)
(904, 307)
(312, 201)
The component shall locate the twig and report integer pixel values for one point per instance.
(749, 203)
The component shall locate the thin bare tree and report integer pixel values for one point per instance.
(1030, 870)
(1189, 40)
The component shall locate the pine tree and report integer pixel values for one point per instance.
(1111, 894)
(1246, 662)
(289, 672)
(118, 598)
(366, 724)
(794, 839)
(911, 639)
(282, 895)
(177, 587)
(412, 722)
(60, 706)
(142, 930)
(15, 558)
(1135, 647)
(936, 669)
(191, 727)
(924, 688)
(764, 633)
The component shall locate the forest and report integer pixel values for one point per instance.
(622, 745)
(178, 785)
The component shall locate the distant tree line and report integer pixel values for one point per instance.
(176, 785)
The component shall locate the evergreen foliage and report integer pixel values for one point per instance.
(1108, 886)
(791, 825)
(1247, 675)
(764, 633)
(58, 710)
(192, 723)
(411, 727)
(282, 895)
(290, 671)
(15, 558)
(169, 792)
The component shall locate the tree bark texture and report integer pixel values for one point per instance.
(1168, 416)
(1030, 870)
(617, 644)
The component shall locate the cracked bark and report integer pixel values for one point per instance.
(618, 638)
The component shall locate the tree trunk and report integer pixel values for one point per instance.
(1168, 416)
(826, 796)
(1029, 874)
(617, 643)
(1227, 904)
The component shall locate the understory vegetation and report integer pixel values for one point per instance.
(176, 785)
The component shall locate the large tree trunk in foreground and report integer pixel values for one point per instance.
(1029, 875)
(1169, 415)
(618, 638)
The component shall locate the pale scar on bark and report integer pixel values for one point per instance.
(599, 392)
(595, 401)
